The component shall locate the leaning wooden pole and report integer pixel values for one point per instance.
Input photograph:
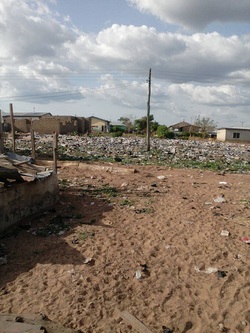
(148, 110)
(12, 128)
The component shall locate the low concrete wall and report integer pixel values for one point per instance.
(27, 199)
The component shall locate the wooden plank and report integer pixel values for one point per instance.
(12, 327)
(139, 326)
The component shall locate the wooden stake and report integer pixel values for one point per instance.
(148, 110)
(33, 146)
(12, 128)
(140, 327)
(55, 146)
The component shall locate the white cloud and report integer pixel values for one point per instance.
(195, 14)
(28, 29)
(41, 53)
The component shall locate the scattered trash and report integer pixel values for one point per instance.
(225, 233)
(88, 261)
(138, 274)
(221, 274)
(181, 152)
(166, 330)
(220, 199)
(19, 319)
(209, 270)
(245, 239)
(223, 183)
(161, 177)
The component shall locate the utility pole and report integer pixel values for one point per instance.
(1, 134)
(12, 128)
(148, 110)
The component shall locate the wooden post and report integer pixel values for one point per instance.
(33, 146)
(12, 128)
(148, 111)
(139, 326)
(55, 146)
(1, 134)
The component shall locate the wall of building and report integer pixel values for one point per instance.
(98, 125)
(233, 134)
(22, 125)
(27, 199)
(46, 125)
(221, 135)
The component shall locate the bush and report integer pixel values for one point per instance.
(163, 132)
(116, 134)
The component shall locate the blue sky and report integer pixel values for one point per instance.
(92, 57)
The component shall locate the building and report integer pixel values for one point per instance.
(22, 121)
(185, 127)
(45, 123)
(237, 134)
(95, 124)
(117, 126)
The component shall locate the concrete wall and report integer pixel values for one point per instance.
(27, 199)
(233, 134)
(22, 125)
(46, 125)
(49, 125)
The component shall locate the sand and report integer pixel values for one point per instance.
(163, 244)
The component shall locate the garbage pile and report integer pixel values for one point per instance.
(133, 150)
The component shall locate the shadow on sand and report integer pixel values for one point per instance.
(42, 240)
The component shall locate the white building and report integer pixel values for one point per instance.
(237, 134)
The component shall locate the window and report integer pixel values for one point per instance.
(236, 135)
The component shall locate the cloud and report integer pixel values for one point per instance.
(173, 57)
(51, 58)
(28, 29)
(195, 14)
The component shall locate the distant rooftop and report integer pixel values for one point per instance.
(28, 114)
(235, 128)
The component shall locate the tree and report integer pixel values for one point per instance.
(128, 122)
(141, 124)
(154, 125)
(206, 125)
(164, 132)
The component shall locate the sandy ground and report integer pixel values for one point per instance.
(148, 242)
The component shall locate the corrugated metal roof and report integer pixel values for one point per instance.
(28, 114)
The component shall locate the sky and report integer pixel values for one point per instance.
(92, 58)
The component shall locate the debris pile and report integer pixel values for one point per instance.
(132, 150)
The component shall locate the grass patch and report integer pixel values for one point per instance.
(126, 202)
(105, 190)
(85, 235)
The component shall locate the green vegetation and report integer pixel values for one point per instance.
(84, 235)
(163, 132)
(126, 202)
(105, 190)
